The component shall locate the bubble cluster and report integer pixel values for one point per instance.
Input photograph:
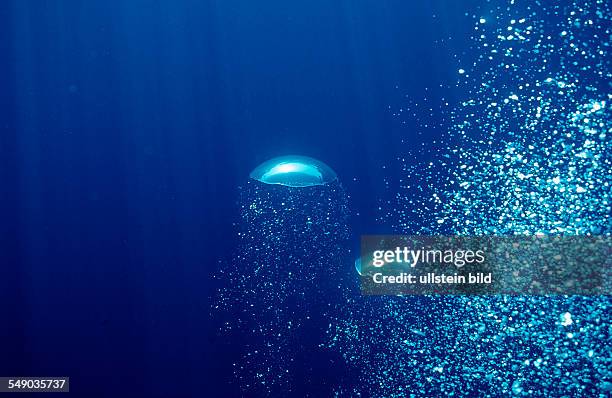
(498, 346)
(527, 152)
(282, 285)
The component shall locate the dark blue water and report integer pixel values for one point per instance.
(126, 129)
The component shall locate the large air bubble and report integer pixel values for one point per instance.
(294, 171)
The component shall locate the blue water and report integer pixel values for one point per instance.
(127, 128)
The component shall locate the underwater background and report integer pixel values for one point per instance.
(138, 258)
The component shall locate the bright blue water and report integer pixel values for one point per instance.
(126, 128)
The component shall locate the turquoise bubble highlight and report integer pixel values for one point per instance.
(294, 171)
